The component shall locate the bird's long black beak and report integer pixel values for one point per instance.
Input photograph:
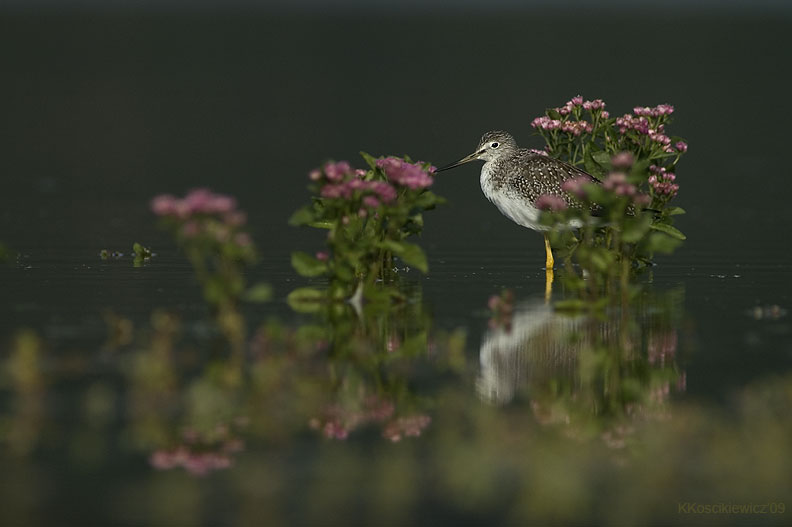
(466, 159)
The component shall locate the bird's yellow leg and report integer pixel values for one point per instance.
(549, 262)
(548, 270)
(548, 284)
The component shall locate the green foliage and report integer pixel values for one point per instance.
(368, 214)
(6, 254)
(141, 254)
(260, 292)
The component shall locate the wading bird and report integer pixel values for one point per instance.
(513, 178)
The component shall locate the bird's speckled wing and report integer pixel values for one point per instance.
(534, 174)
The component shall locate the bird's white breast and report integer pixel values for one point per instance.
(511, 204)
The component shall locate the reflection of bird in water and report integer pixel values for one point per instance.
(513, 178)
(541, 344)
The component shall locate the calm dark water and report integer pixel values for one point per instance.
(100, 113)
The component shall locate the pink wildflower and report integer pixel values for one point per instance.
(198, 200)
(623, 160)
(411, 426)
(337, 171)
(664, 109)
(596, 104)
(681, 146)
(617, 183)
(575, 186)
(550, 202)
(335, 430)
(162, 459)
(164, 205)
(545, 123)
(662, 181)
(384, 190)
(221, 204)
(371, 202)
(406, 174)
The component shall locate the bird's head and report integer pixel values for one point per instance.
(491, 146)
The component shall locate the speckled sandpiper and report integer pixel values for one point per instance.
(512, 178)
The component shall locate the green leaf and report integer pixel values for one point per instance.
(668, 229)
(323, 224)
(371, 161)
(260, 292)
(414, 255)
(640, 167)
(635, 229)
(414, 346)
(410, 253)
(675, 211)
(591, 166)
(391, 245)
(603, 158)
(553, 113)
(140, 251)
(302, 216)
(662, 243)
(426, 200)
(307, 265)
(306, 299)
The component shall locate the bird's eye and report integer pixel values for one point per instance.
(494, 145)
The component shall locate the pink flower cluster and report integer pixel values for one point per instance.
(337, 421)
(197, 201)
(661, 138)
(569, 106)
(196, 463)
(546, 123)
(571, 127)
(662, 181)
(617, 183)
(204, 213)
(575, 186)
(550, 202)
(410, 426)
(577, 127)
(642, 126)
(346, 189)
(410, 175)
(343, 182)
(198, 455)
(335, 172)
(623, 160)
(657, 111)
(629, 122)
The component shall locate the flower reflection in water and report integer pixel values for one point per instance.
(588, 374)
(341, 373)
